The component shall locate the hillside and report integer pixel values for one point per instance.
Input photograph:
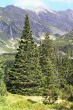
(57, 23)
(54, 22)
(10, 45)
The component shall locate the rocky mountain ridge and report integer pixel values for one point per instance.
(41, 20)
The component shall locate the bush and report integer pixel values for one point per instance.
(51, 97)
(68, 93)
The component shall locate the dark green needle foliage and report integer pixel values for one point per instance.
(25, 75)
(47, 62)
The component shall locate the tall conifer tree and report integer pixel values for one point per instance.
(47, 62)
(25, 75)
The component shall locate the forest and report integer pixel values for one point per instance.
(44, 71)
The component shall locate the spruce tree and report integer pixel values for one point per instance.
(47, 62)
(25, 75)
(64, 65)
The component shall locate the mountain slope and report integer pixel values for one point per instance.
(41, 20)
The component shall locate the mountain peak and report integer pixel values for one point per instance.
(42, 9)
(69, 10)
(9, 6)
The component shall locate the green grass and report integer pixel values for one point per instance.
(18, 102)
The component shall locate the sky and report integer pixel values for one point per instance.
(30, 4)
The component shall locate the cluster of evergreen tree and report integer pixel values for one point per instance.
(37, 70)
(48, 65)
(65, 69)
